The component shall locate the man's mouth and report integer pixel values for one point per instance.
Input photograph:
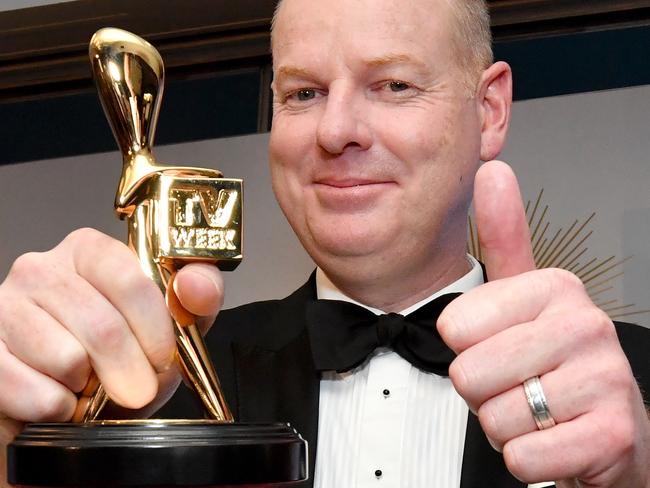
(350, 194)
(349, 182)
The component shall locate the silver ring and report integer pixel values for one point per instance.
(537, 403)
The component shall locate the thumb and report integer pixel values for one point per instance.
(503, 231)
(199, 289)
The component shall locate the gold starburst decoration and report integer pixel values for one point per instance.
(567, 249)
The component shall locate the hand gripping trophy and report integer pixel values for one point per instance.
(175, 215)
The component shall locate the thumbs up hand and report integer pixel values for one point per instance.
(525, 323)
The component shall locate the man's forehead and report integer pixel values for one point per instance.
(388, 14)
(308, 24)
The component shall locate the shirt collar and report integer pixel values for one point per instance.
(326, 290)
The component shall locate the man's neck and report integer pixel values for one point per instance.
(400, 298)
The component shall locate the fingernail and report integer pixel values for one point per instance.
(175, 286)
(168, 364)
(493, 444)
(204, 274)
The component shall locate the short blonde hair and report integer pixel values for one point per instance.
(472, 40)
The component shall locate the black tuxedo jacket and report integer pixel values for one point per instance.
(263, 358)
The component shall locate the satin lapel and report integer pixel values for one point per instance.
(482, 465)
(281, 384)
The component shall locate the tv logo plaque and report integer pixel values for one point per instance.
(197, 218)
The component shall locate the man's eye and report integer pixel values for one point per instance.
(305, 94)
(398, 86)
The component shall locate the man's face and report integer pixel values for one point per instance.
(375, 136)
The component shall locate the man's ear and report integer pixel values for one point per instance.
(494, 98)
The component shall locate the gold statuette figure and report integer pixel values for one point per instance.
(175, 214)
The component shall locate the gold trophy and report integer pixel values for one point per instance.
(175, 215)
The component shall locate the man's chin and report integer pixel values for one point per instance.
(347, 248)
(346, 238)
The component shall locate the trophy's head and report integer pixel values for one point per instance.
(129, 75)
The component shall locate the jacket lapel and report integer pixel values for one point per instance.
(281, 383)
(289, 390)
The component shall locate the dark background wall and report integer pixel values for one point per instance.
(219, 72)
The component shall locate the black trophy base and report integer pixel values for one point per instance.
(156, 453)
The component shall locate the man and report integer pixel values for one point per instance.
(383, 111)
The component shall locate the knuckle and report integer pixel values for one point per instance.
(541, 280)
(513, 461)
(596, 316)
(131, 281)
(449, 327)
(26, 267)
(565, 280)
(595, 326)
(584, 325)
(555, 282)
(75, 367)
(92, 249)
(489, 422)
(8, 312)
(52, 405)
(626, 440)
(461, 376)
(107, 332)
(120, 251)
(621, 437)
(83, 236)
(444, 323)
(615, 376)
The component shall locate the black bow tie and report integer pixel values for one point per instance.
(343, 334)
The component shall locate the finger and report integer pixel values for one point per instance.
(582, 448)
(115, 354)
(511, 356)
(495, 306)
(544, 455)
(570, 392)
(199, 288)
(501, 222)
(44, 345)
(30, 396)
(507, 359)
(115, 272)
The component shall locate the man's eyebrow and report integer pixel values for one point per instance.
(293, 72)
(389, 59)
(290, 71)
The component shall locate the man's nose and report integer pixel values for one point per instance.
(343, 124)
